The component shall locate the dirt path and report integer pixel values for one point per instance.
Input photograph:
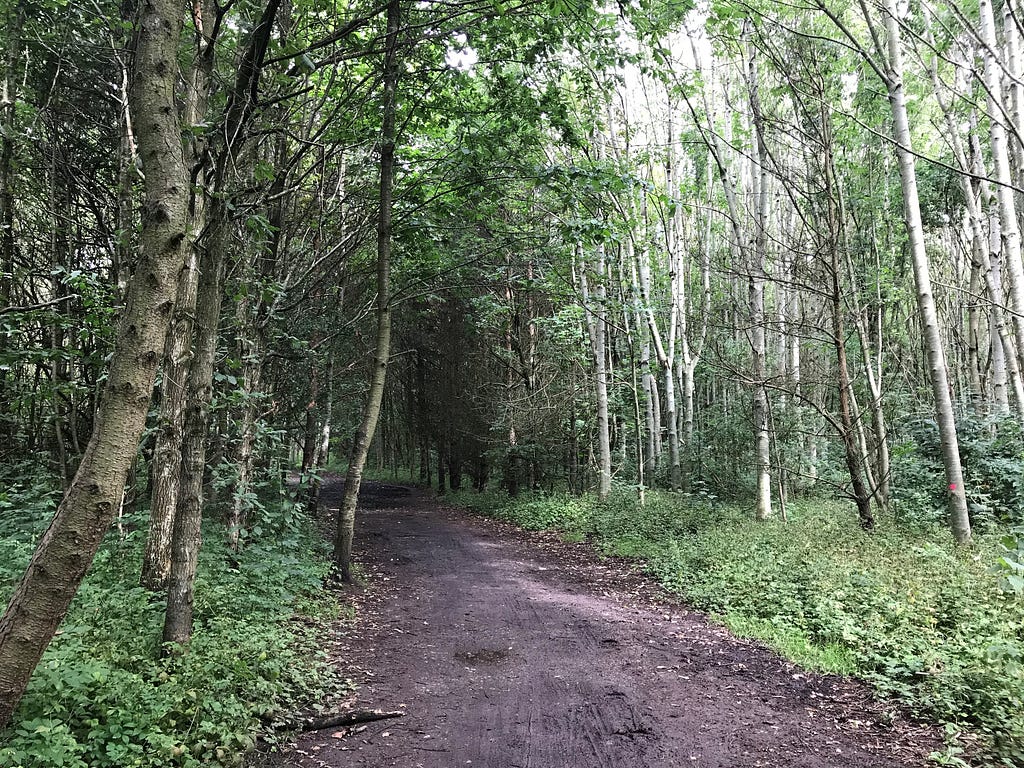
(509, 652)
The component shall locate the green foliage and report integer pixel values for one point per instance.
(902, 608)
(992, 452)
(28, 498)
(1010, 564)
(102, 695)
(536, 512)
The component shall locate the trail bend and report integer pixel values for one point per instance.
(509, 651)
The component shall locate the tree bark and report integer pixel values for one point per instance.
(649, 456)
(596, 313)
(323, 451)
(949, 445)
(755, 291)
(8, 123)
(986, 259)
(382, 352)
(852, 449)
(156, 562)
(998, 141)
(69, 545)
(186, 539)
(251, 351)
(187, 528)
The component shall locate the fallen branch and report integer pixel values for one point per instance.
(351, 717)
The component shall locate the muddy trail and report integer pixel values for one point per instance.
(514, 650)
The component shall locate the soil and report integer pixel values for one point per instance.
(513, 650)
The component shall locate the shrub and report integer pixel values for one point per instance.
(992, 451)
(102, 697)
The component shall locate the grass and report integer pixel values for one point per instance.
(902, 608)
(792, 643)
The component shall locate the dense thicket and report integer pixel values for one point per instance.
(733, 250)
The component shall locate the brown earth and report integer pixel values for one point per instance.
(515, 650)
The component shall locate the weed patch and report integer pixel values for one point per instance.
(103, 697)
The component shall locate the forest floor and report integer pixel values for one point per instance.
(507, 649)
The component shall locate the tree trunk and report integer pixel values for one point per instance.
(974, 335)
(998, 356)
(665, 355)
(187, 529)
(186, 539)
(851, 447)
(573, 459)
(986, 259)
(1008, 222)
(309, 433)
(690, 354)
(677, 302)
(8, 119)
(323, 457)
(513, 484)
(628, 316)
(250, 348)
(422, 417)
(66, 550)
(755, 291)
(949, 444)
(596, 313)
(156, 561)
(364, 436)
(454, 466)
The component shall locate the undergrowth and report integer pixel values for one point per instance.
(102, 696)
(924, 622)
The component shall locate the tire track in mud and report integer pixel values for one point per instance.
(504, 657)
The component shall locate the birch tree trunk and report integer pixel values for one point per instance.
(974, 318)
(986, 256)
(998, 140)
(667, 353)
(949, 444)
(69, 545)
(664, 351)
(1013, 58)
(628, 316)
(691, 353)
(596, 312)
(999, 359)
(648, 456)
(755, 291)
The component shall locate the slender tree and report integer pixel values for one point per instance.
(382, 349)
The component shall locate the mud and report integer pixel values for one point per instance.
(512, 650)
